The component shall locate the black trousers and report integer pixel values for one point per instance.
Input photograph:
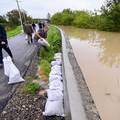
(7, 49)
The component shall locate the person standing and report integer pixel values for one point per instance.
(40, 26)
(28, 31)
(34, 27)
(39, 36)
(4, 45)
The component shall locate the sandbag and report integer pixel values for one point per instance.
(54, 95)
(56, 85)
(43, 42)
(55, 72)
(55, 77)
(58, 59)
(14, 75)
(59, 63)
(58, 56)
(54, 108)
(56, 67)
(6, 63)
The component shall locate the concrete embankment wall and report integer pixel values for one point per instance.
(72, 99)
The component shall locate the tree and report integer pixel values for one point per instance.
(3, 19)
(29, 19)
(56, 18)
(82, 19)
(14, 19)
(111, 13)
(63, 18)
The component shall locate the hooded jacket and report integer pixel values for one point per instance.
(3, 35)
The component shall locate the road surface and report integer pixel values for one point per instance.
(23, 54)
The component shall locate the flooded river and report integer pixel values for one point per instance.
(98, 55)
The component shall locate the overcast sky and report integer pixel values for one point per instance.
(40, 8)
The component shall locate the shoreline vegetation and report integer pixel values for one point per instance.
(105, 19)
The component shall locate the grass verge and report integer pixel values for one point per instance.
(30, 88)
(14, 32)
(46, 56)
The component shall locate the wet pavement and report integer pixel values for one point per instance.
(23, 54)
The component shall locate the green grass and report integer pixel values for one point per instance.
(45, 65)
(54, 39)
(14, 32)
(30, 87)
(46, 55)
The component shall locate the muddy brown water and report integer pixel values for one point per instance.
(98, 55)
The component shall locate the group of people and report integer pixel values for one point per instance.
(29, 29)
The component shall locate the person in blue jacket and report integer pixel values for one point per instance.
(4, 45)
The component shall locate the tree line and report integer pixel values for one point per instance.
(12, 19)
(108, 18)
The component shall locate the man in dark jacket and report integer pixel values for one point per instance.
(3, 45)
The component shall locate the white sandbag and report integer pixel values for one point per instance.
(56, 67)
(57, 57)
(6, 63)
(56, 85)
(54, 95)
(55, 72)
(43, 42)
(56, 63)
(58, 54)
(54, 108)
(55, 77)
(14, 75)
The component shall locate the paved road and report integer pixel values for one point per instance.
(22, 53)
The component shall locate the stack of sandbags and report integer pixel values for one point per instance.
(54, 104)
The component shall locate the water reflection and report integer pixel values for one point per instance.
(107, 43)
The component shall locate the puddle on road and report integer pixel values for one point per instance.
(98, 54)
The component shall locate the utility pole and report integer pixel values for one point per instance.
(24, 15)
(20, 14)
